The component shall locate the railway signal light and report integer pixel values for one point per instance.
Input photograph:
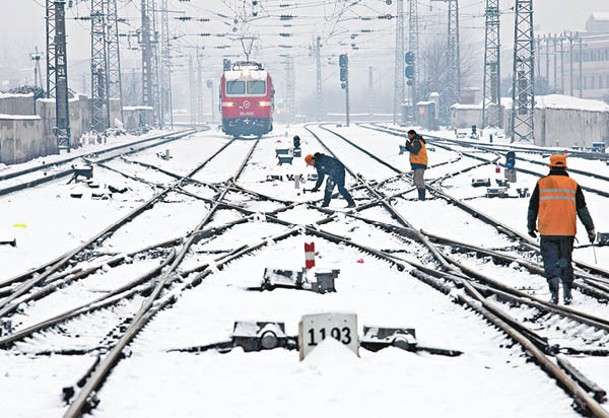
(343, 63)
(409, 58)
(510, 159)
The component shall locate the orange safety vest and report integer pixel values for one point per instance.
(557, 208)
(421, 157)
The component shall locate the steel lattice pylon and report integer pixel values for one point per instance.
(523, 94)
(290, 88)
(453, 58)
(50, 44)
(62, 109)
(454, 52)
(413, 46)
(166, 113)
(398, 95)
(115, 85)
(492, 114)
(99, 68)
(146, 43)
(320, 111)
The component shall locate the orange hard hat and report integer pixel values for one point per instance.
(558, 160)
(308, 159)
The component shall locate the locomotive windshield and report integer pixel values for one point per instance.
(235, 87)
(256, 87)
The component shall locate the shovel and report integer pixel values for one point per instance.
(12, 243)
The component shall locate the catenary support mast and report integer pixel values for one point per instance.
(523, 94)
(492, 114)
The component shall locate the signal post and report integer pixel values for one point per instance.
(343, 62)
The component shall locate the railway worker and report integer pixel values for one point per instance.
(557, 200)
(418, 160)
(324, 164)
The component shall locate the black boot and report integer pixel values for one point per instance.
(566, 292)
(553, 284)
(421, 194)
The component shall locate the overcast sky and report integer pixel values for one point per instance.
(22, 21)
(22, 28)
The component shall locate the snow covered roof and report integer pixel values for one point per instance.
(19, 117)
(551, 101)
(559, 101)
(10, 95)
(600, 16)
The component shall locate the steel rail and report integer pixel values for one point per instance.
(6, 306)
(145, 313)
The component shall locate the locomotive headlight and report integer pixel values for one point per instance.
(265, 104)
(228, 104)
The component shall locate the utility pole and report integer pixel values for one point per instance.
(555, 44)
(320, 103)
(398, 95)
(562, 64)
(413, 47)
(523, 94)
(571, 38)
(370, 92)
(99, 68)
(193, 91)
(492, 114)
(62, 109)
(546, 39)
(115, 84)
(166, 90)
(199, 90)
(580, 42)
(154, 59)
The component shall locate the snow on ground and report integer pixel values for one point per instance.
(490, 379)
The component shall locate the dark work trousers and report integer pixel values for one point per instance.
(337, 180)
(556, 253)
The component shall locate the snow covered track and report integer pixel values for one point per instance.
(194, 284)
(24, 179)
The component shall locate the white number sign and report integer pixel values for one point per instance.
(313, 329)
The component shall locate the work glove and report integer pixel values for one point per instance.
(592, 236)
(532, 233)
(314, 189)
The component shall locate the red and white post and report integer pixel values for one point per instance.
(309, 255)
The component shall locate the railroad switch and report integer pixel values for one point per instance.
(251, 336)
(501, 192)
(481, 182)
(377, 338)
(523, 192)
(77, 172)
(297, 280)
(502, 183)
(258, 336)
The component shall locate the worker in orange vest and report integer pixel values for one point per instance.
(558, 201)
(418, 160)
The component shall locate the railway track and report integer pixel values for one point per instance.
(186, 262)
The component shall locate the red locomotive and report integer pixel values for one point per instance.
(246, 99)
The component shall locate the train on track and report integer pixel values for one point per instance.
(246, 99)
